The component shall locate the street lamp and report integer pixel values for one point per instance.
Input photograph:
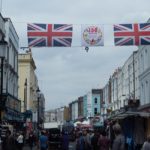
(1, 90)
(38, 100)
(25, 95)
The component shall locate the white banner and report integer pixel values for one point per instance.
(92, 35)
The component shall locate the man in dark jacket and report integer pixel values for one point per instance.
(94, 141)
(10, 141)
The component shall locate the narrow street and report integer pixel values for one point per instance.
(71, 147)
(28, 148)
(74, 75)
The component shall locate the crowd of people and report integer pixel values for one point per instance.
(19, 140)
(85, 140)
(99, 140)
(16, 141)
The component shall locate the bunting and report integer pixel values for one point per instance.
(49, 35)
(61, 35)
(132, 34)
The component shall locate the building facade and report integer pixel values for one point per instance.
(66, 114)
(97, 98)
(144, 77)
(50, 116)
(92, 103)
(80, 107)
(85, 105)
(106, 106)
(74, 110)
(9, 72)
(144, 82)
(29, 93)
(124, 84)
(28, 83)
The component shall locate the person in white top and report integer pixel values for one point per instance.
(146, 145)
(20, 141)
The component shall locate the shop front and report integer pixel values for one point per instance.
(135, 125)
(145, 111)
(11, 113)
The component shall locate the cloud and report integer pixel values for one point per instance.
(64, 74)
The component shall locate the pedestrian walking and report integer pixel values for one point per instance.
(103, 141)
(31, 140)
(10, 141)
(119, 142)
(80, 144)
(20, 141)
(87, 140)
(146, 145)
(43, 141)
(94, 140)
(65, 139)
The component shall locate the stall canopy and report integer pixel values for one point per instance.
(129, 114)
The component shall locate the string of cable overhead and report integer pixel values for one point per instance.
(78, 24)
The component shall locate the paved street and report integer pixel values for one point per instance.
(71, 147)
(27, 148)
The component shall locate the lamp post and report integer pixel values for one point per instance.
(25, 95)
(38, 100)
(1, 90)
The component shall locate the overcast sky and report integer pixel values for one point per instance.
(64, 74)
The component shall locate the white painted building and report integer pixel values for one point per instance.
(129, 88)
(89, 104)
(9, 71)
(115, 90)
(106, 105)
(144, 77)
(74, 113)
(50, 116)
(60, 115)
(144, 74)
(124, 84)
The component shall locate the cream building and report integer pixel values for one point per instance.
(28, 83)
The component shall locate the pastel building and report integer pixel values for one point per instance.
(91, 103)
(85, 105)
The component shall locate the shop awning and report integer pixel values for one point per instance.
(129, 114)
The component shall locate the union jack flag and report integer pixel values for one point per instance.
(49, 35)
(132, 34)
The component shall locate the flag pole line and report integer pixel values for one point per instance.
(104, 24)
(26, 47)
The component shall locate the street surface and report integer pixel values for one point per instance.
(27, 148)
(71, 147)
